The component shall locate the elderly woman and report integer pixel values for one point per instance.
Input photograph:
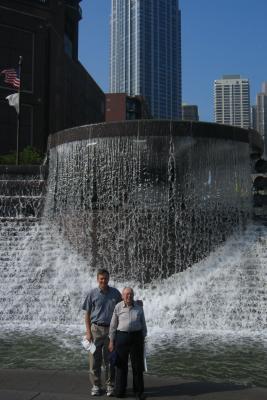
(127, 333)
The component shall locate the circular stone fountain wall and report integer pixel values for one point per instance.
(146, 199)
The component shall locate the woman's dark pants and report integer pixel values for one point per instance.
(132, 344)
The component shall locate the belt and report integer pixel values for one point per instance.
(100, 324)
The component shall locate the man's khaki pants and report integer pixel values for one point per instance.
(101, 341)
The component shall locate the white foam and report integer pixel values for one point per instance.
(226, 294)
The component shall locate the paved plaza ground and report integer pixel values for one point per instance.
(27, 384)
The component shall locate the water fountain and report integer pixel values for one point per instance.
(147, 200)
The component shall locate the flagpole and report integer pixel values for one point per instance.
(18, 114)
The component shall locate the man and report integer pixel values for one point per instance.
(99, 306)
(127, 333)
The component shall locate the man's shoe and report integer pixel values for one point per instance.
(95, 391)
(110, 391)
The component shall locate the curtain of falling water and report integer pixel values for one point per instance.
(143, 208)
(147, 207)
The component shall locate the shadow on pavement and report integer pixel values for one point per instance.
(192, 389)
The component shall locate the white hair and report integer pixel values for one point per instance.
(127, 288)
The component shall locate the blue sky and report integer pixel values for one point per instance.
(218, 37)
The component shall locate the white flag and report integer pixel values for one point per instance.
(13, 101)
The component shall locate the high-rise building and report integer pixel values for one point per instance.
(190, 112)
(145, 57)
(253, 116)
(232, 101)
(56, 91)
(261, 107)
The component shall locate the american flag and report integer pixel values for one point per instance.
(11, 77)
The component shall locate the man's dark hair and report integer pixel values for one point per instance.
(102, 271)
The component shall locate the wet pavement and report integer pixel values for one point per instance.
(29, 384)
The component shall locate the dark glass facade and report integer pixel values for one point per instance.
(56, 91)
(146, 53)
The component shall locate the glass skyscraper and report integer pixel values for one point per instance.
(145, 54)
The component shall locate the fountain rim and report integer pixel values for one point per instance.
(141, 128)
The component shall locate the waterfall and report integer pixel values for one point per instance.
(148, 207)
(166, 212)
(154, 211)
(44, 283)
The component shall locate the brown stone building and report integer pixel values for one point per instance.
(57, 92)
(121, 107)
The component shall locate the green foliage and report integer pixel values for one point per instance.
(28, 155)
(8, 159)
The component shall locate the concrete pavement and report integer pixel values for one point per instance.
(27, 384)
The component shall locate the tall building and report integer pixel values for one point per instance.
(190, 112)
(145, 57)
(253, 117)
(56, 91)
(261, 110)
(232, 101)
